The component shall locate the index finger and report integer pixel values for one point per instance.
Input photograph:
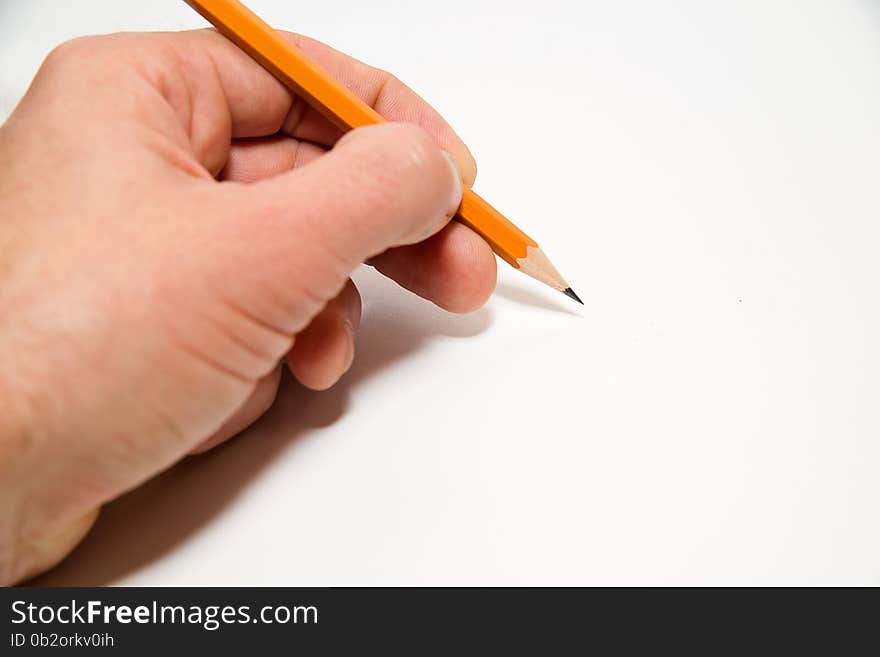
(260, 106)
(380, 90)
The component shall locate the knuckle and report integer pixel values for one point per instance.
(391, 84)
(71, 50)
(97, 51)
(383, 80)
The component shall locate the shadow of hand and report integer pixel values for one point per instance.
(150, 521)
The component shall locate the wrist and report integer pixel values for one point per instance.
(14, 441)
(35, 533)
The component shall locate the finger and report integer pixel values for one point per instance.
(254, 407)
(222, 93)
(298, 236)
(324, 350)
(455, 268)
(255, 159)
(383, 92)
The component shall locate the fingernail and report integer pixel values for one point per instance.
(349, 330)
(455, 201)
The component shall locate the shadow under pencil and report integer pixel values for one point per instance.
(536, 298)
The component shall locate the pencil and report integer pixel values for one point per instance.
(344, 109)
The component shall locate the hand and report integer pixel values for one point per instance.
(173, 225)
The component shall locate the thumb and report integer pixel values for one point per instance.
(380, 186)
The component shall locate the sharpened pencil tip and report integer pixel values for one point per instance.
(570, 293)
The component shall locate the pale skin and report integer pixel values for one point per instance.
(175, 228)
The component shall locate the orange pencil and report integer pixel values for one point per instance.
(339, 105)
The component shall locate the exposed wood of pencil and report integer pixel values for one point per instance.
(343, 108)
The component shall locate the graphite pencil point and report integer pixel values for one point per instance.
(570, 293)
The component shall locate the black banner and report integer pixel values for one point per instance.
(133, 621)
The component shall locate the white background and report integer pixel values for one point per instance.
(707, 175)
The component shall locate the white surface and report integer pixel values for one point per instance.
(709, 184)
